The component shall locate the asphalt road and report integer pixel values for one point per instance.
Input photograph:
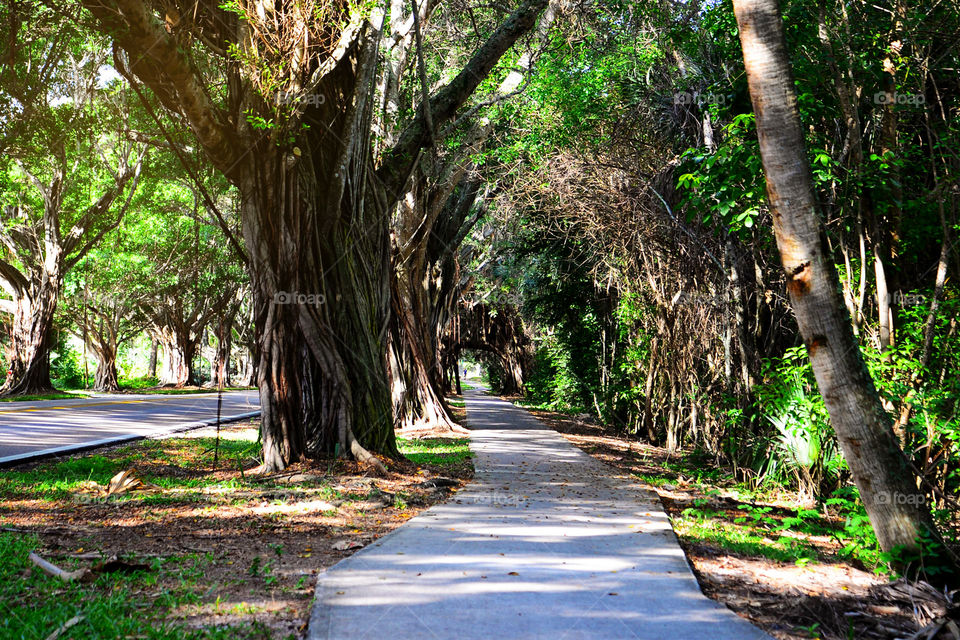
(29, 429)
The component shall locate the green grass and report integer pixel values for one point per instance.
(33, 604)
(67, 479)
(705, 527)
(453, 402)
(436, 451)
(57, 395)
(146, 603)
(175, 391)
(62, 480)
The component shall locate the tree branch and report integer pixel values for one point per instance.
(157, 59)
(400, 160)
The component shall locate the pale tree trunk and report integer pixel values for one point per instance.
(887, 485)
(179, 349)
(106, 378)
(220, 372)
(152, 364)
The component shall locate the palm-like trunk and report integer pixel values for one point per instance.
(887, 485)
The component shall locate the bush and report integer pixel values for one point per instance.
(143, 382)
(66, 367)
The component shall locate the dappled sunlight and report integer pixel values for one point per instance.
(545, 543)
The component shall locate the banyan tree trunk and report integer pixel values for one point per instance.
(321, 290)
(415, 368)
(177, 367)
(425, 289)
(30, 341)
(106, 379)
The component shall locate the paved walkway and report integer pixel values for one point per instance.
(545, 543)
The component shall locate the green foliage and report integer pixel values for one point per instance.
(143, 382)
(725, 187)
(66, 367)
(804, 444)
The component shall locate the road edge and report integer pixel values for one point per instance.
(23, 458)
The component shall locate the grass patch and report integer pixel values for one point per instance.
(153, 460)
(173, 391)
(60, 480)
(33, 605)
(705, 526)
(37, 397)
(440, 452)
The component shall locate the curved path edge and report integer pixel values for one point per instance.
(545, 543)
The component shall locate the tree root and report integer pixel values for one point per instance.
(361, 454)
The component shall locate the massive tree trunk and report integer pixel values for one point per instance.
(30, 341)
(319, 282)
(315, 215)
(888, 487)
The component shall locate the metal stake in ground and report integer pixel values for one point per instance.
(216, 447)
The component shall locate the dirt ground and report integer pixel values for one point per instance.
(254, 550)
(830, 599)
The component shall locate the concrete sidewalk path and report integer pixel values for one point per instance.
(546, 542)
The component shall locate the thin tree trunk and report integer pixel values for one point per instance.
(648, 423)
(887, 485)
(221, 361)
(152, 365)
